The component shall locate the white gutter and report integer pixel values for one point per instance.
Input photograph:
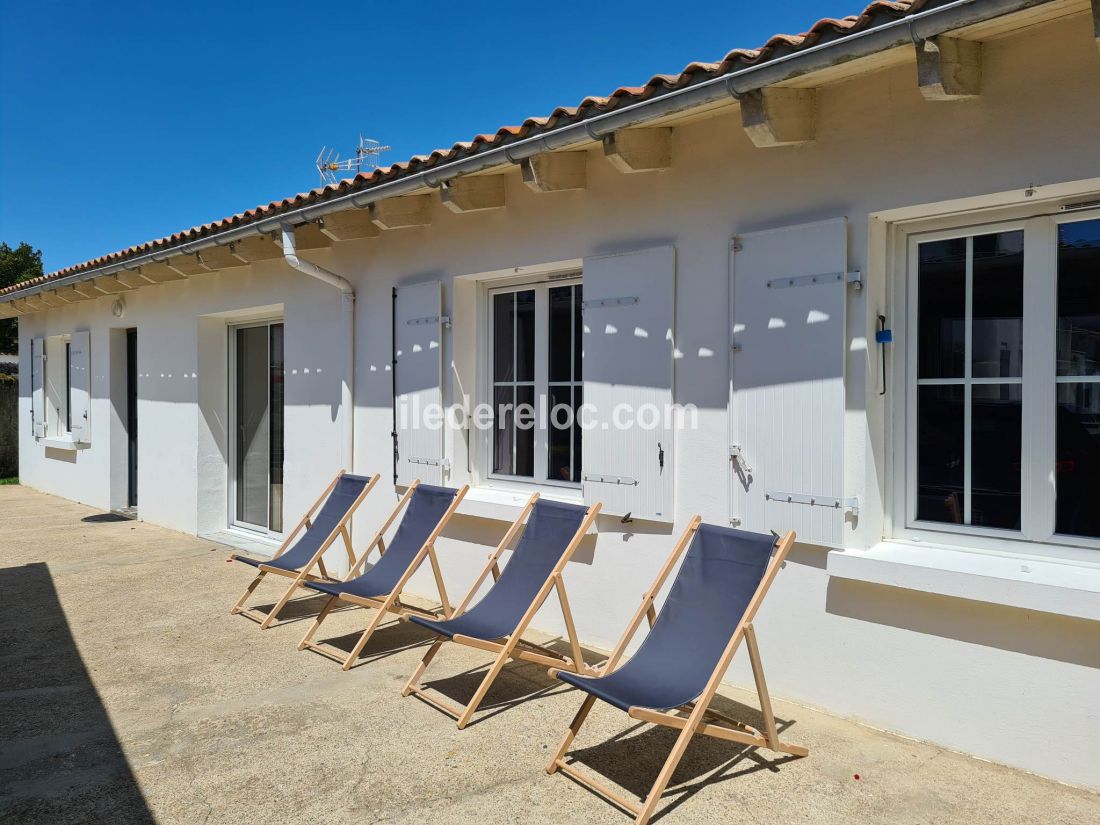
(905, 31)
(347, 389)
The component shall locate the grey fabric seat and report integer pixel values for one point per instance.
(721, 571)
(549, 530)
(426, 507)
(335, 508)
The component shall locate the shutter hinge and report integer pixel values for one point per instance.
(604, 479)
(430, 462)
(735, 245)
(849, 505)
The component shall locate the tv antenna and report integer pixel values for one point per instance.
(329, 163)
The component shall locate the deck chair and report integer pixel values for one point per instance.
(326, 521)
(672, 678)
(427, 511)
(552, 534)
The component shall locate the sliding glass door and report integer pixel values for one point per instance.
(256, 384)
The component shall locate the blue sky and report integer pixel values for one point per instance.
(121, 122)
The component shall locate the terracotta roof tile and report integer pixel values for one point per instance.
(778, 45)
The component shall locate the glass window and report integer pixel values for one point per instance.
(1077, 415)
(970, 298)
(536, 382)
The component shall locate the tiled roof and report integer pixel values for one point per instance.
(778, 46)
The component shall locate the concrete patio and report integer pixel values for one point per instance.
(129, 694)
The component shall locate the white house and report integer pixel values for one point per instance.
(865, 261)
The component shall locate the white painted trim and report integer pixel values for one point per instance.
(505, 505)
(1013, 580)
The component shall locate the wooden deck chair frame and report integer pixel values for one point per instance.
(696, 717)
(513, 646)
(391, 603)
(305, 573)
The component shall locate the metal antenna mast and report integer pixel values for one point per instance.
(328, 161)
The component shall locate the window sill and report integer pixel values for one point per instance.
(63, 444)
(1063, 588)
(506, 505)
(251, 543)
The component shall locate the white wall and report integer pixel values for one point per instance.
(985, 679)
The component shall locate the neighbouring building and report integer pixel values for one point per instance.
(865, 259)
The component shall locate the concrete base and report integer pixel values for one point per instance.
(129, 694)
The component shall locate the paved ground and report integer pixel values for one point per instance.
(128, 694)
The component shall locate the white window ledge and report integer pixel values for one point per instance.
(63, 444)
(1065, 588)
(506, 505)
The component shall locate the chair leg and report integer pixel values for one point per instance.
(414, 680)
(279, 605)
(329, 605)
(665, 776)
(483, 688)
(570, 735)
(237, 608)
(373, 626)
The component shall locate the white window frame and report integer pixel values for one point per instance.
(541, 383)
(1038, 449)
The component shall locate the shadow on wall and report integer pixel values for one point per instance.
(60, 758)
(1031, 633)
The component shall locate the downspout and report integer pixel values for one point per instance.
(347, 390)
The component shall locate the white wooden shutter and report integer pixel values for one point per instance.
(80, 385)
(38, 387)
(418, 362)
(787, 400)
(629, 309)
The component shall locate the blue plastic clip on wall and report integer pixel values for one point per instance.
(883, 336)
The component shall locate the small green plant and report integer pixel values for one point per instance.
(4, 481)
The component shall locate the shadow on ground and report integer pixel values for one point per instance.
(633, 757)
(59, 754)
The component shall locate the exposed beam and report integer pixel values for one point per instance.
(639, 150)
(949, 68)
(187, 265)
(219, 257)
(34, 303)
(394, 213)
(87, 289)
(310, 236)
(779, 117)
(555, 171)
(473, 194)
(132, 279)
(159, 273)
(8, 311)
(346, 226)
(71, 294)
(256, 248)
(52, 299)
(110, 284)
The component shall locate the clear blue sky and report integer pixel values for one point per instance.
(121, 122)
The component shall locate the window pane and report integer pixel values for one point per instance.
(277, 398)
(578, 333)
(998, 305)
(503, 336)
(995, 456)
(561, 333)
(1079, 298)
(1077, 469)
(525, 435)
(562, 461)
(941, 308)
(503, 429)
(525, 335)
(940, 454)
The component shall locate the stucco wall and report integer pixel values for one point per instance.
(984, 679)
